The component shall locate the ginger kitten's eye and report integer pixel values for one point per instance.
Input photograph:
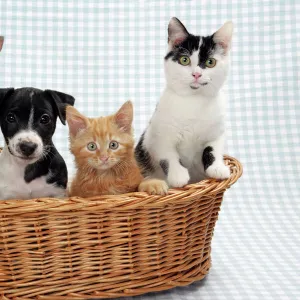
(113, 145)
(211, 62)
(184, 60)
(92, 146)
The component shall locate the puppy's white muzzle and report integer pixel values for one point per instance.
(26, 145)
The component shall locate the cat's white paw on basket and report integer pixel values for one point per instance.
(218, 171)
(178, 177)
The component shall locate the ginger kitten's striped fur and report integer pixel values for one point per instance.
(104, 155)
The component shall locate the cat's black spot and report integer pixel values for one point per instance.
(208, 157)
(191, 44)
(170, 54)
(207, 49)
(143, 158)
(186, 47)
(164, 164)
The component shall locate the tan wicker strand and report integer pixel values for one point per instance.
(109, 246)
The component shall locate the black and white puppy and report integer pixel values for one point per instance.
(30, 165)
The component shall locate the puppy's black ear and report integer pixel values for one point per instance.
(5, 94)
(61, 101)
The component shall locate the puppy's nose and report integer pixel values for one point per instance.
(27, 148)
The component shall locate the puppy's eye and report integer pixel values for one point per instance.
(211, 62)
(113, 145)
(184, 60)
(10, 118)
(45, 119)
(92, 146)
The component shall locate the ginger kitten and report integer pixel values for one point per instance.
(104, 155)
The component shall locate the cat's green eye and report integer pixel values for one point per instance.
(211, 62)
(113, 145)
(92, 146)
(184, 60)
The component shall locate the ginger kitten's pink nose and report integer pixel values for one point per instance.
(104, 158)
(196, 75)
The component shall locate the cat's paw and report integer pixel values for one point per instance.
(153, 187)
(178, 178)
(218, 171)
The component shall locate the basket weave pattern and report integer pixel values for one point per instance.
(108, 246)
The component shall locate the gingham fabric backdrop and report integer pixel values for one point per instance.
(105, 52)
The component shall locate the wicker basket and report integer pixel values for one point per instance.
(108, 246)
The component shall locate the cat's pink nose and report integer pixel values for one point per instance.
(104, 158)
(196, 75)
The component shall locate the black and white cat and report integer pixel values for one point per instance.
(185, 138)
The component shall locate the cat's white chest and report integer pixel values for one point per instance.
(195, 137)
(193, 118)
(202, 129)
(191, 121)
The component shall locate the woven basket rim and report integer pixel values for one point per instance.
(109, 246)
(125, 201)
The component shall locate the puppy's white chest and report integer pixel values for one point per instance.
(13, 186)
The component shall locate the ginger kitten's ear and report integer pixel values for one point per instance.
(1, 42)
(177, 33)
(76, 121)
(223, 36)
(124, 116)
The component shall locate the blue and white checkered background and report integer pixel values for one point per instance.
(105, 52)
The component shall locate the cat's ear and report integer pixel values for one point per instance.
(1, 42)
(76, 121)
(124, 116)
(177, 33)
(223, 36)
